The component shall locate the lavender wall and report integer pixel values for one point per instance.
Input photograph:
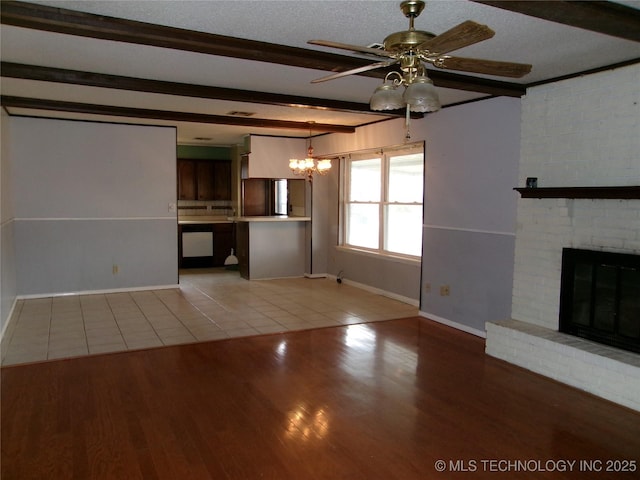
(91, 196)
(8, 288)
(470, 212)
(471, 167)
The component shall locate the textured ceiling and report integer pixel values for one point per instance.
(554, 50)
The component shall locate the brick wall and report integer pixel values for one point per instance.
(583, 131)
(578, 132)
(545, 226)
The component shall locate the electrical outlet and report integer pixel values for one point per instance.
(114, 269)
(445, 290)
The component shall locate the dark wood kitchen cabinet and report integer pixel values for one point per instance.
(186, 180)
(242, 248)
(204, 179)
(222, 242)
(255, 197)
(222, 180)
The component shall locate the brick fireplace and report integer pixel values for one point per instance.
(580, 132)
(531, 338)
(600, 297)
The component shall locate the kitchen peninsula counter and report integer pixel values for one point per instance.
(203, 219)
(274, 218)
(271, 246)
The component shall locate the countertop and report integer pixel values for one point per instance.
(275, 218)
(205, 219)
(202, 219)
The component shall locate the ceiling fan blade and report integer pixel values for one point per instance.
(353, 48)
(366, 68)
(489, 67)
(463, 35)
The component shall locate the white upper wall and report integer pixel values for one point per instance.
(92, 206)
(383, 134)
(471, 156)
(6, 206)
(67, 169)
(471, 161)
(7, 250)
(269, 156)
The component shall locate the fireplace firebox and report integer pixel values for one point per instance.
(600, 297)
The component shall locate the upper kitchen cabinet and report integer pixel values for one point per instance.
(222, 180)
(268, 157)
(204, 179)
(186, 179)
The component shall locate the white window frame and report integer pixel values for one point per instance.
(384, 154)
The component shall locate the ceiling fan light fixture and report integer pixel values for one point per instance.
(386, 97)
(421, 95)
(410, 50)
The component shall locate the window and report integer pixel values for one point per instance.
(280, 197)
(382, 208)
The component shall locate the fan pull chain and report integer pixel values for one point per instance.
(407, 136)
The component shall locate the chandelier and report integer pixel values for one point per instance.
(306, 167)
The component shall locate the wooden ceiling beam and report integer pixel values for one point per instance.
(76, 77)
(610, 18)
(71, 22)
(115, 111)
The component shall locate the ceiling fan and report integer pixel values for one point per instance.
(412, 47)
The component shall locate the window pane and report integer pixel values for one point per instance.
(365, 180)
(406, 178)
(280, 187)
(363, 225)
(404, 229)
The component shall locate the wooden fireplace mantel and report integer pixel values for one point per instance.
(626, 192)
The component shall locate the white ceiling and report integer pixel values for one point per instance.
(553, 49)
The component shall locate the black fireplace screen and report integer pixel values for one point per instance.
(600, 297)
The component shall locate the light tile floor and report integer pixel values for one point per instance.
(209, 305)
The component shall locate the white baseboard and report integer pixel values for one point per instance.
(97, 292)
(315, 275)
(378, 291)
(456, 325)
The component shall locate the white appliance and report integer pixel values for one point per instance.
(197, 244)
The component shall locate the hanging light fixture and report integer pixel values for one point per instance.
(387, 96)
(419, 93)
(306, 167)
(421, 96)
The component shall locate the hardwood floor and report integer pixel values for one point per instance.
(384, 400)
